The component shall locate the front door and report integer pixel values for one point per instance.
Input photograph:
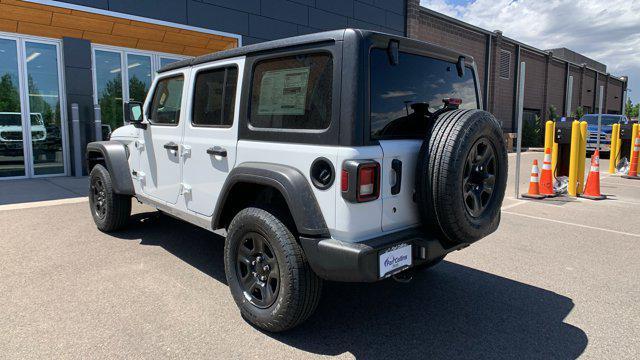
(160, 155)
(211, 134)
(31, 109)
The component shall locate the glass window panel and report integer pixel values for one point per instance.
(11, 146)
(214, 97)
(139, 71)
(166, 61)
(108, 65)
(293, 92)
(167, 101)
(44, 108)
(401, 93)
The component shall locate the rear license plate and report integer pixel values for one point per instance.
(396, 258)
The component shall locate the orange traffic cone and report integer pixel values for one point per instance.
(546, 178)
(534, 188)
(592, 189)
(633, 167)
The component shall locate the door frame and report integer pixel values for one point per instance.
(23, 81)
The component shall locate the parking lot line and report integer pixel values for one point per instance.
(572, 224)
(37, 204)
(623, 184)
(511, 206)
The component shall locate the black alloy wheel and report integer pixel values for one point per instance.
(257, 270)
(479, 177)
(98, 197)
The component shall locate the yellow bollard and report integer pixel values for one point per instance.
(548, 134)
(554, 150)
(572, 188)
(613, 154)
(582, 155)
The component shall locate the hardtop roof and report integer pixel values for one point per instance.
(326, 36)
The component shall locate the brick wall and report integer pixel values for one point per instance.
(614, 96)
(556, 86)
(545, 82)
(575, 97)
(534, 81)
(54, 22)
(260, 20)
(588, 89)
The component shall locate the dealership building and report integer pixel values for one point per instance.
(65, 64)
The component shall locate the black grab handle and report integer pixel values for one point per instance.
(396, 165)
(171, 146)
(217, 151)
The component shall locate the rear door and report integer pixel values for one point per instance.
(211, 132)
(400, 97)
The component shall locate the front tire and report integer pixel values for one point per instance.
(110, 211)
(268, 273)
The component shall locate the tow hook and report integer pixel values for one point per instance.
(404, 276)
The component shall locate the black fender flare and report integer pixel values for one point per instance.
(115, 158)
(291, 183)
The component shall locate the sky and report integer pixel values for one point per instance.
(606, 31)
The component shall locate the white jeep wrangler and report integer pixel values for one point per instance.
(347, 155)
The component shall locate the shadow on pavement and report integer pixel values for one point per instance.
(449, 312)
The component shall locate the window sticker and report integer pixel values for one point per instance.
(284, 92)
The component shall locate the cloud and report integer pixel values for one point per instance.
(606, 31)
(394, 94)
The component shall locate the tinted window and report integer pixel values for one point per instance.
(214, 97)
(395, 89)
(292, 92)
(167, 100)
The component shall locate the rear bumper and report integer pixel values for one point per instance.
(358, 262)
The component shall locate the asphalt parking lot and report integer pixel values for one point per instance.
(560, 279)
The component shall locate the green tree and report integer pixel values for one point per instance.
(532, 132)
(553, 113)
(9, 96)
(110, 101)
(579, 113)
(38, 104)
(137, 89)
(632, 110)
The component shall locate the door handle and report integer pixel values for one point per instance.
(171, 146)
(396, 165)
(217, 151)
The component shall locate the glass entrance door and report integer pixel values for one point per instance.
(12, 149)
(32, 132)
(47, 156)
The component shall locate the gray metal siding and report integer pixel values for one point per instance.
(260, 20)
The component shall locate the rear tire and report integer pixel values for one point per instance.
(258, 244)
(110, 211)
(462, 176)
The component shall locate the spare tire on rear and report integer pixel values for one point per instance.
(461, 176)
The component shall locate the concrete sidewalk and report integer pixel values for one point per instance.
(34, 190)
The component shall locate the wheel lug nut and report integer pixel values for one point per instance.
(253, 262)
(265, 268)
(263, 278)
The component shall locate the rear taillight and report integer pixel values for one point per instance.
(344, 181)
(360, 180)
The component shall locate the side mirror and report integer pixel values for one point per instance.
(133, 112)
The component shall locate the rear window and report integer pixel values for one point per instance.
(415, 79)
(292, 92)
(214, 97)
